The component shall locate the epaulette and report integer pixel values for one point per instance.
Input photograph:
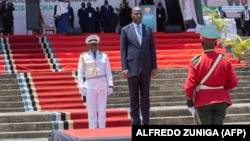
(226, 57)
(196, 60)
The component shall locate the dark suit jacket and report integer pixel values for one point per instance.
(107, 14)
(223, 14)
(137, 58)
(242, 16)
(80, 16)
(7, 13)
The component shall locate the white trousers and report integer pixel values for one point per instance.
(96, 105)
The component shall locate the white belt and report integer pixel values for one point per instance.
(204, 87)
(93, 77)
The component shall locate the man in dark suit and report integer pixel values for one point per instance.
(80, 16)
(160, 17)
(71, 16)
(6, 12)
(90, 19)
(139, 65)
(245, 21)
(125, 16)
(107, 16)
(222, 14)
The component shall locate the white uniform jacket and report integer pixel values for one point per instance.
(97, 72)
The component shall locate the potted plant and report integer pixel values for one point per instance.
(219, 23)
(239, 46)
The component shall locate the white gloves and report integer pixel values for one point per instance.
(83, 91)
(110, 91)
(191, 110)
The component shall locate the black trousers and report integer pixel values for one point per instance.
(139, 98)
(246, 28)
(213, 114)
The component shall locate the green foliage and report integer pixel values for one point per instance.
(219, 23)
(239, 46)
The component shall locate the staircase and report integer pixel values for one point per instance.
(26, 111)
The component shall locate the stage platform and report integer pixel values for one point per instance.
(106, 134)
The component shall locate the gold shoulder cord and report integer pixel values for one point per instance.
(94, 68)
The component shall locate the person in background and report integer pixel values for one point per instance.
(62, 15)
(71, 16)
(6, 12)
(125, 16)
(245, 21)
(80, 16)
(114, 21)
(139, 65)
(222, 14)
(98, 23)
(95, 81)
(210, 78)
(55, 18)
(244, 2)
(161, 18)
(147, 2)
(90, 19)
(107, 17)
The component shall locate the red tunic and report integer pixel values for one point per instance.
(223, 75)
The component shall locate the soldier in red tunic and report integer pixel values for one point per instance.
(207, 86)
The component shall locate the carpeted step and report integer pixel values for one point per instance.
(30, 61)
(25, 46)
(183, 35)
(165, 57)
(28, 56)
(23, 38)
(26, 51)
(177, 41)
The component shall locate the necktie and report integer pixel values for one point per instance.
(139, 33)
(138, 29)
(94, 54)
(106, 7)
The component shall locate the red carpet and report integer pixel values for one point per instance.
(1, 63)
(27, 54)
(100, 133)
(171, 49)
(58, 91)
